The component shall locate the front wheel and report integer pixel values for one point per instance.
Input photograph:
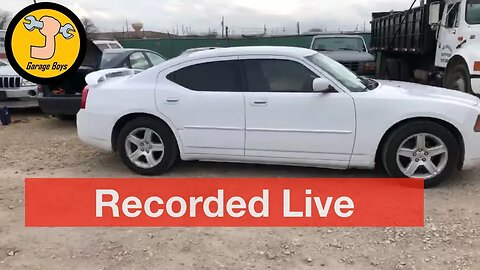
(423, 150)
(147, 146)
(458, 78)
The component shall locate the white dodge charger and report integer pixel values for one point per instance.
(277, 105)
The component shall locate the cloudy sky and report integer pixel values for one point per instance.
(240, 15)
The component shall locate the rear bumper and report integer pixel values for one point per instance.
(59, 105)
(95, 129)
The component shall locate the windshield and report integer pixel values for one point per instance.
(2, 63)
(473, 12)
(106, 57)
(353, 82)
(339, 44)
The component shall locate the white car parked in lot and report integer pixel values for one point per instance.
(278, 105)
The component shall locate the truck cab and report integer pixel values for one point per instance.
(349, 50)
(457, 23)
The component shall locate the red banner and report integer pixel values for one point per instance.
(174, 202)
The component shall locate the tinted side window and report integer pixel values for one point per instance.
(213, 76)
(270, 75)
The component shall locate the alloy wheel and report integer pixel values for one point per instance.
(144, 147)
(422, 155)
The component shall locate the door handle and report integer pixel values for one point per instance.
(171, 100)
(259, 103)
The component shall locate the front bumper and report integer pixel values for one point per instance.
(22, 97)
(475, 82)
(472, 149)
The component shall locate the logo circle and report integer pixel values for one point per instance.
(45, 43)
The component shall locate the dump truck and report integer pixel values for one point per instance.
(435, 42)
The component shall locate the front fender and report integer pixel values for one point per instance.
(470, 55)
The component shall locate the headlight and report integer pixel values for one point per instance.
(370, 66)
(27, 83)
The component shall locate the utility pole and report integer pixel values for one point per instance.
(223, 26)
(298, 28)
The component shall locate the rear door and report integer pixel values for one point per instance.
(205, 102)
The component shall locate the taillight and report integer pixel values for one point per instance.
(477, 125)
(83, 104)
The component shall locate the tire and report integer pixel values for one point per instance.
(396, 164)
(458, 78)
(159, 161)
(392, 69)
(405, 70)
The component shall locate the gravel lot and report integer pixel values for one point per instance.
(39, 146)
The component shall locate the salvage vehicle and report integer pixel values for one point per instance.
(350, 50)
(63, 99)
(277, 105)
(16, 92)
(107, 44)
(436, 43)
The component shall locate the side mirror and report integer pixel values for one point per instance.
(434, 13)
(321, 85)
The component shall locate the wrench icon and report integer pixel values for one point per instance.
(33, 24)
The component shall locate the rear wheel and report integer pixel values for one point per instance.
(147, 146)
(423, 150)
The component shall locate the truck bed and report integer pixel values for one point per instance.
(403, 31)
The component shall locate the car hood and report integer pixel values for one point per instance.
(349, 56)
(7, 71)
(414, 90)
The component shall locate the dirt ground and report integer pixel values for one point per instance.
(39, 146)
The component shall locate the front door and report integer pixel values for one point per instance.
(448, 36)
(285, 119)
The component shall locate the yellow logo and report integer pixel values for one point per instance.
(45, 42)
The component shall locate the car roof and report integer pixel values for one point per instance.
(124, 50)
(337, 36)
(248, 50)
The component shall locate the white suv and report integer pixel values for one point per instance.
(16, 92)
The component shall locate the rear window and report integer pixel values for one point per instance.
(213, 76)
(107, 57)
(115, 46)
(102, 46)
